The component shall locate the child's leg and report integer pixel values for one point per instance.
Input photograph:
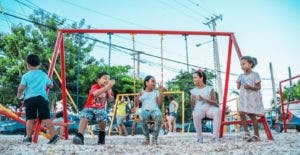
(85, 116)
(215, 114)
(102, 126)
(44, 114)
(49, 126)
(174, 124)
(170, 120)
(145, 116)
(101, 117)
(29, 127)
(101, 136)
(31, 108)
(255, 124)
(82, 125)
(133, 128)
(157, 118)
(120, 130)
(125, 130)
(61, 131)
(244, 121)
(119, 124)
(197, 119)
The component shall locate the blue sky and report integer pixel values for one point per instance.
(266, 29)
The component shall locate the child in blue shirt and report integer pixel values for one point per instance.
(33, 85)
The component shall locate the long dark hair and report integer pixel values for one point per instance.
(251, 60)
(202, 74)
(147, 78)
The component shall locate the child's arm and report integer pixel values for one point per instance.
(137, 101)
(176, 106)
(192, 101)
(256, 87)
(160, 97)
(212, 100)
(238, 85)
(110, 94)
(104, 89)
(238, 82)
(21, 89)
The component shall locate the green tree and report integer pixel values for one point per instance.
(40, 39)
(292, 93)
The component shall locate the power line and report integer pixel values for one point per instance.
(188, 8)
(118, 46)
(105, 15)
(174, 8)
(198, 5)
(147, 45)
(37, 7)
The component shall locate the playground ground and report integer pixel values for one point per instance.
(232, 143)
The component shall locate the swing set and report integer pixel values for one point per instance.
(60, 50)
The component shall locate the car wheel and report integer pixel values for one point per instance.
(298, 128)
(278, 127)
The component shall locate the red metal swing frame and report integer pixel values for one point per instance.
(284, 111)
(59, 48)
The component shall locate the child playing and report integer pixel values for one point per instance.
(94, 108)
(121, 116)
(173, 107)
(58, 118)
(165, 124)
(34, 84)
(136, 119)
(203, 103)
(250, 101)
(150, 100)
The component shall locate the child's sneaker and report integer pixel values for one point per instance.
(200, 140)
(101, 138)
(154, 141)
(27, 140)
(78, 139)
(54, 139)
(247, 136)
(214, 140)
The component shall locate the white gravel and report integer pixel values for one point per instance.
(284, 143)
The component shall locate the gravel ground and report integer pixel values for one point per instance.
(176, 143)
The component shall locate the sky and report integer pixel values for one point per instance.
(265, 29)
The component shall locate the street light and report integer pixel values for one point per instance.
(200, 44)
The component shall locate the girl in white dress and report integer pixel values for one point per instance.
(250, 101)
(203, 103)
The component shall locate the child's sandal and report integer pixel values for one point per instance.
(254, 139)
(146, 142)
(247, 136)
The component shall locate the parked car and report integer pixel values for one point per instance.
(12, 127)
(74, 119)
(128, 125)
(189, 127)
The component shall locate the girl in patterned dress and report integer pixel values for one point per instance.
(250, 101)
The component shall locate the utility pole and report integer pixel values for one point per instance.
(187, 54)
(290, 75)
(138, 63)
(212, 24)
(78, 68)
(273, 84)
(109, 49)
